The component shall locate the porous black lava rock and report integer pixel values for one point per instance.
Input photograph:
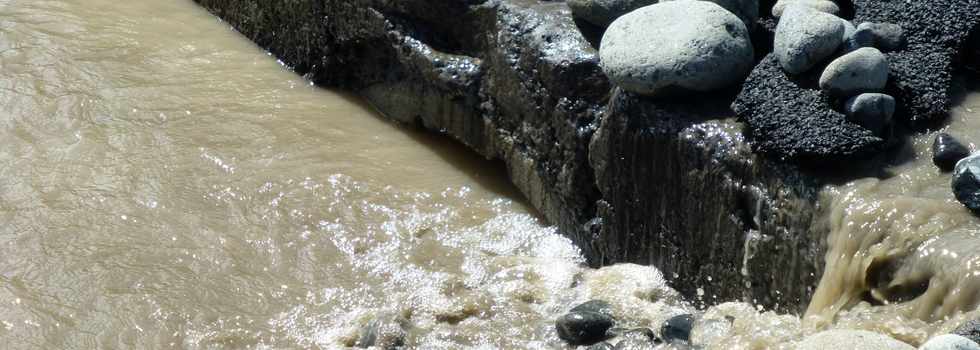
(598, 306)
(788, 120)
(947, 150)
(677, 329)
(936, 32)
(795, 123)
(970, 329)
(966, 182)
(583, 328)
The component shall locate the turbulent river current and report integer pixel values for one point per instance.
(166, 184)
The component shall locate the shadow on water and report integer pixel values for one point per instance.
(489, 174)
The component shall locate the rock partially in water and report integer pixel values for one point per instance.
(825, 6)
(676, 46)
(851, 340)
(583, 328)
(946, 151)
(862, 71)
(806, 37)
(873, 111)
(597, 306)
(387, 331)
(677, 329)
(604, 12)
(966, 182)
(950, 342)
(970, 330)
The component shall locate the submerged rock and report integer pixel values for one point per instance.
(873, 111)
(604, 12)
(387, 331)
(946, 151)
(950, 342)
(825, 6)
(862, 71)
(966, 182)
(677, 328)
(851, 340)
(805, 37)
(676, 46)
(583, 328)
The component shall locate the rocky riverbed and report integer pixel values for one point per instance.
(716, 183)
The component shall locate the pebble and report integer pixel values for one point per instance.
(946, 151)
(862, 71)
(873, 111)
(583, 328)
(677, 328)
(805, 37)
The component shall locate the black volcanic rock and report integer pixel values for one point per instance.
(792, 122)
(789, 120)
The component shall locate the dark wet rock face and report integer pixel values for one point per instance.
(947, 151)
(760, 211)
(597, 306)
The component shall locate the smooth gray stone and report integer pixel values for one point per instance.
(805, 37)
(864, 70)
(950, 342)
(676, 46)
(604, 12)
(819, 5)
(873, 111)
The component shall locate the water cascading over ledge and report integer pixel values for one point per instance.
(669, 183)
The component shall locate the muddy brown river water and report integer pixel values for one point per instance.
(166, 184)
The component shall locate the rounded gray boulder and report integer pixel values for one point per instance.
(805, 37)
(873, 111)
(864, 70)
(604, 12)
(676, 46)
(825, 6)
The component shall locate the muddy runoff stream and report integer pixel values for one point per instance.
(166, 184)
